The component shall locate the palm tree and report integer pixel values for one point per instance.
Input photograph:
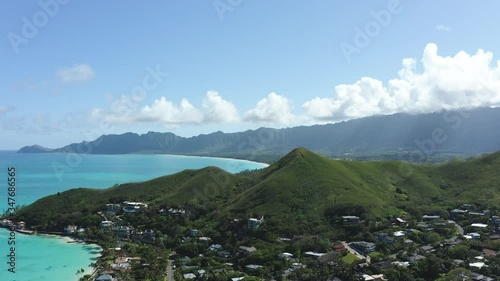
(80, 271)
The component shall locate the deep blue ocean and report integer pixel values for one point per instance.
(39, 175)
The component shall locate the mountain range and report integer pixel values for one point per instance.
(399, 136)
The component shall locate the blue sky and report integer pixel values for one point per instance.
(72, 70)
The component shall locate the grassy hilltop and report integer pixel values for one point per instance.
(300, 187)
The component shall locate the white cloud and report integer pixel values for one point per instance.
(168, 113)
(125, 110)
(273, 109)
(218, 110)
(443, 28)
(461, 81)
(77, 72)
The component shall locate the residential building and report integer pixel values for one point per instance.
(70, 229)
(430, 217)
(479, 225)
(385, 238)
(426, 249)
(106, 224)
(253, 266)
(113, 208)
(400, 221)
(122, 231)
(285, 256)
(204, 239)
(247, 250)
(189, 276)
(173, 211)
(457, 212)
(350, 220)
(105, 277)
(215, 247)
(314, 254)
(399, 234)
(133, 207)
(363, 247)
(6, 223)
(254, 223)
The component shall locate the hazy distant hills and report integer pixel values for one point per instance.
(466, 132)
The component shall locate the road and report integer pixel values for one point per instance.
(460, 229)
(170, 271)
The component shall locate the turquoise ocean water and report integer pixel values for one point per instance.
(39, 175)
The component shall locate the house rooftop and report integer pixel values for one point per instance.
(253, 266)
(479, 225)
(247, 249)
(477, 264)
(399, 233)
(104, 277)
(314, 254)
(189, 276)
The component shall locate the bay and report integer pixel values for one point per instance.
(42, 174)
(39, 175)
(39, 257)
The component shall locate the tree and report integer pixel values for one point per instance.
(433, 238)
(459, 252)
(430, 268)
(457, 274)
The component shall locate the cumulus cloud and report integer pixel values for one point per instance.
(443, 28)
(218, 110)
(273, 109)
(167, 112)
(461, 81)
(125, 109)
(77, 72)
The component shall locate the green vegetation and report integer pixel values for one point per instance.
(302, 197)
(349, 258)
(301, 187)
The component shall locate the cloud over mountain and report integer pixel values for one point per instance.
(434, 83)
(461, 81)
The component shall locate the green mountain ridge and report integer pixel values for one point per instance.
(398, 136)
(302, 187)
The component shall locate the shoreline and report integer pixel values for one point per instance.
(68, 240)
(167, 154)
(71, 240)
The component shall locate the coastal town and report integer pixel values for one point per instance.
(159, 243)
